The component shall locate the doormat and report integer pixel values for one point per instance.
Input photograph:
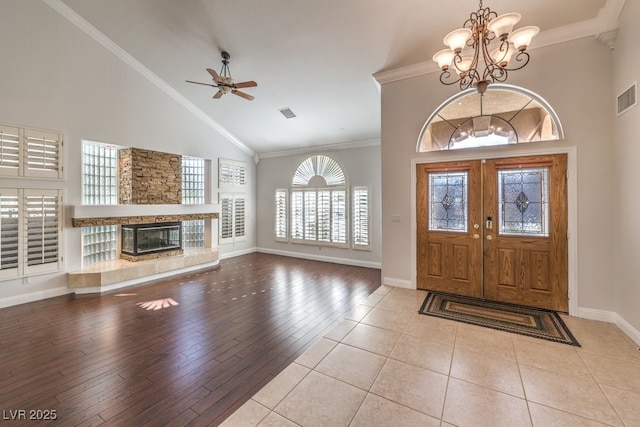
(517, 319)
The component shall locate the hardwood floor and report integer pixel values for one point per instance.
(187, 350)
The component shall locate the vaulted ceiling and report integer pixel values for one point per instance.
(315, 57)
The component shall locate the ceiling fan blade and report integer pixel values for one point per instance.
(215, 75)
(246, 84)
(198, 83)
(243, 95)
(218, 94)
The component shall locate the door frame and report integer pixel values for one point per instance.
(522, 150)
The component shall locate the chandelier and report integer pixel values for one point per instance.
(485, 40)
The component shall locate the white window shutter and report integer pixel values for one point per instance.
(9, 229)
(9, 150)
(281, 215)
(239, 217)
(360, 210)
(41, 230)
(43, 154)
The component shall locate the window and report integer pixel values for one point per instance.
(232, 217)
(30, 231)
(193, 193)
(360, 209)
(232, 178)
(232, 174)
(99, 187)
(281, 215)
(318, 203)
(315, 209)
(30, 153)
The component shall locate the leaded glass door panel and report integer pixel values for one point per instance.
(495, 229)
(525, 252)
(449, 257)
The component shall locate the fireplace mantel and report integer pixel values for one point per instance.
(95, 215)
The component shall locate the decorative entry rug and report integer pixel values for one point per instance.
(533, 322)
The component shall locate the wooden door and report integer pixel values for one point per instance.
(495, 229)
(449, 247)
(525, 252)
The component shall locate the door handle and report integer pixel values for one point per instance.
(476, 236)
(489, 237)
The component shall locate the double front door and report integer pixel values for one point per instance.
(495, 229)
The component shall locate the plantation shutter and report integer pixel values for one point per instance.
(297, 215)
(310, 212)
(361, 218)
(324, 216)
(43, 153)
(281, 215)
(231, 174)
(339, 219)
(42, 230)
(9, 229)
(226, 217)
(9, 150)
(239, 216)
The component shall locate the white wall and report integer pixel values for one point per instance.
(626, 65)
(574, 78)
(362, 168)
(56, 77)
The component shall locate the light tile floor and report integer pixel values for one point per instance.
(387, 365)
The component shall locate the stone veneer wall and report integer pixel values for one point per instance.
(149, 177)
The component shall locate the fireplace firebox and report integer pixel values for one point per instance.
(148, 240)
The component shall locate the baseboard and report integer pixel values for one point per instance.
(139, 280)
(34, 296)
(626, 327)
(610, 317)
(398, 283)
(312, 257)
(225, 255)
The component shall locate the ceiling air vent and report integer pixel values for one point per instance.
(287, 113)
(627, 99)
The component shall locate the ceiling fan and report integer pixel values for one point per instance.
(224, 82)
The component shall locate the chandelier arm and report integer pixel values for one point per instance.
(445, 75)
(521, 57)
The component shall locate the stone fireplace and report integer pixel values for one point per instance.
(144, 241)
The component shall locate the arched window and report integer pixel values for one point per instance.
(317, 207)
(505, 114)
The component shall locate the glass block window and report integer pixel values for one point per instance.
(193, 193)
(360, 211)
(448, 209)
(523, 202)
(99, 187)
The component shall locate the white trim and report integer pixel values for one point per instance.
(626, 327)
(116, 211)
(312, 257)
(519, 150)
(398, 283)
(234, 254)
(610, 317)
(34, 296)
(322, 148)
(138, 280)
(128, 59)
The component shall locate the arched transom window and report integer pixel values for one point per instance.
(505, 114)
(316, 208)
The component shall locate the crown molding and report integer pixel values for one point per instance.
(603, 27)
(125, 57)
(320, 148)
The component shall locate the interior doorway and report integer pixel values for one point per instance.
(495, 229)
